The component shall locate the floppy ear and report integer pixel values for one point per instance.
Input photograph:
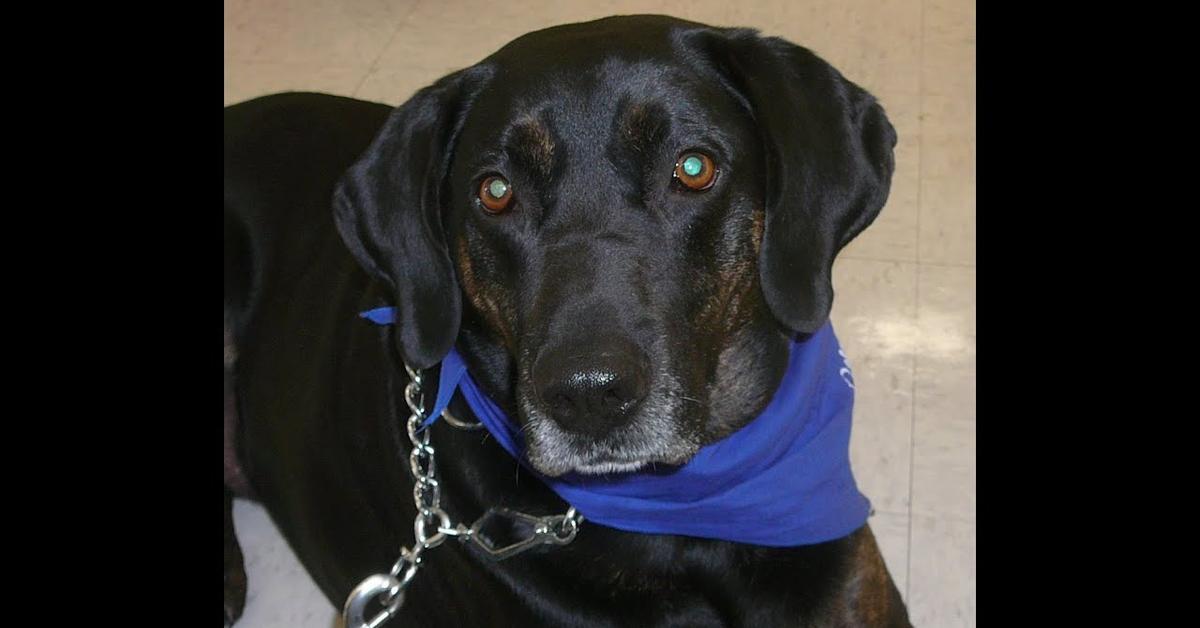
(829, 164)
(388, 209)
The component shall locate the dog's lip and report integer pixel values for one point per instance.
(604, 466)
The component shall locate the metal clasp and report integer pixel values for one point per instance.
(553, 530)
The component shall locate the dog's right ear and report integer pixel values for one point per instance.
(828, 148)
(388, 208)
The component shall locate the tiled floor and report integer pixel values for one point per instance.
(905, 307)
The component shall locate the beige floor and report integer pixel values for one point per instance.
(905, 306)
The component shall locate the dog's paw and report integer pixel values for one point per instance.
(235, 568)
(235, 591)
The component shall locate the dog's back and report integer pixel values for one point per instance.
(286, 275)
(283, 155)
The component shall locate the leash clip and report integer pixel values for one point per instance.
(551, 530)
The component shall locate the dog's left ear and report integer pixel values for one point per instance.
(388, 208)
(829, 160)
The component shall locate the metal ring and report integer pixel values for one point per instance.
(356, 605)
(415, 458)
(462, 425)
(410, 391)
(419, 440)
(427, 482)
(408, 576)
(412, 558)
(413, 374)
(567, 527)
(430, 542)
(571, 528)
(424, 501)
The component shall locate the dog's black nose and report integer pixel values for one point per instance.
(591, 390)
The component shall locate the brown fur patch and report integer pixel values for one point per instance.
(487, 304)
(734, 285)
(725, 310)
(533, 144)
(757, 221)
(640, 126)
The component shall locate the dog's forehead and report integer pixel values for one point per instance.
(591, 93)
(586, 74)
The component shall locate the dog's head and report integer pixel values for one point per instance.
(622, 223)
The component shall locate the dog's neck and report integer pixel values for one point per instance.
(616, 573)
(732, 582)
(784, 480)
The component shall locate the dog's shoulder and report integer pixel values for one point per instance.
(868, 596)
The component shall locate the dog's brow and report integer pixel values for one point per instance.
(641, 125)
(531, 144)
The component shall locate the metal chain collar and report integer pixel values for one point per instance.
(390, 587)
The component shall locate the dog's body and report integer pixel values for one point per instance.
(314, 411)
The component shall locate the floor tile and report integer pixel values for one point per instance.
(874, 316)
(941, 579)
(947, 211)
(313, 33)
(944, 430)
(279, 594)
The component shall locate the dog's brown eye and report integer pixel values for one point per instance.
(496, 194)
(696, 170)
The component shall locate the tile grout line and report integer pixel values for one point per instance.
(863, 258)
(912, 433)
(375, 62)
(912, 430)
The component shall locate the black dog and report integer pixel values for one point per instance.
(620, 224)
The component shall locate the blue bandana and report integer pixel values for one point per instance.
(782, 480)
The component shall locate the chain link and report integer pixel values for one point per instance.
(427, 494)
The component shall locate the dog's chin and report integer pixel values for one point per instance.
(557, 464)
(606, 467)
(598, 466)
(656, 439)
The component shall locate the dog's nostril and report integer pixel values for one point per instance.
(621, 399)
(562, 404)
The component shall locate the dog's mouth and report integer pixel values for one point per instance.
(605, 467)
(653, 439)
(553, 463)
